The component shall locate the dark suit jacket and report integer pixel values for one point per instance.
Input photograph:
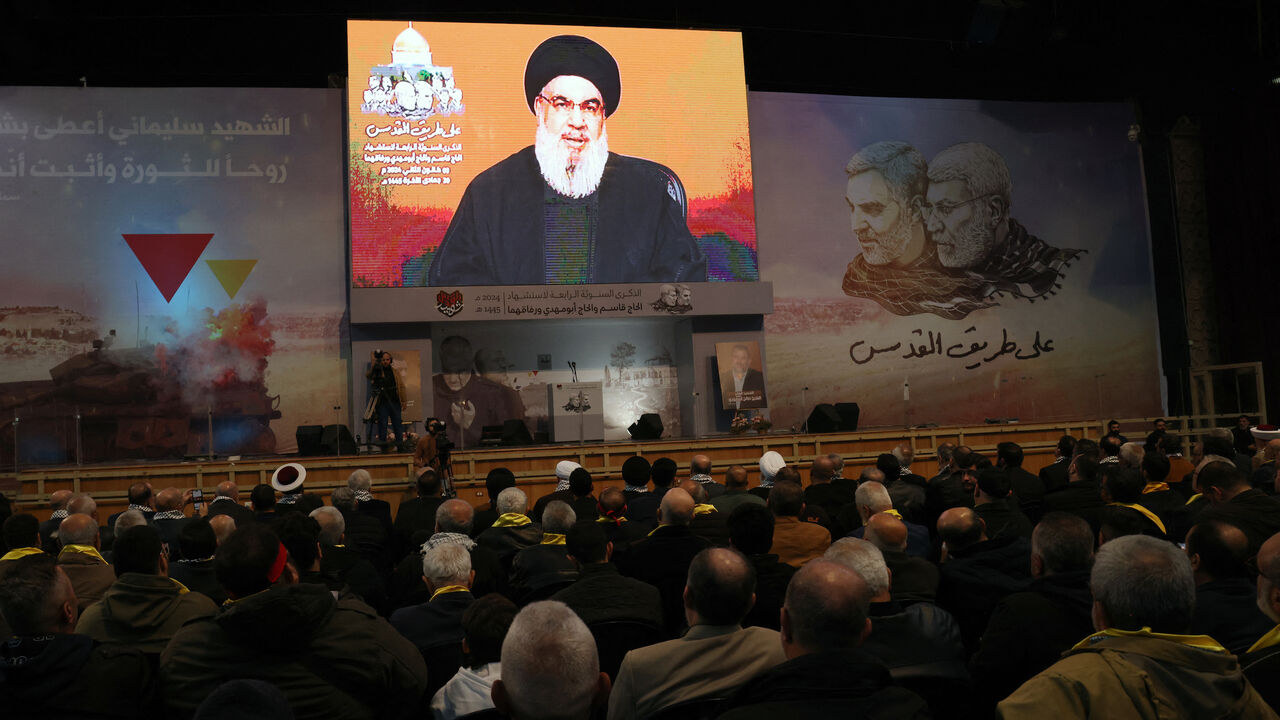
(241, 514)
(1078, 498)
(753, 382)
(1227, 611)
(914, 579)
(976, 578)
(662, 560)
(48, 535)
(412, 516)
(1004, 519)
(1253, 512)
(436, 622)
(343, 566)
(1030, 491)
(169, 530)
(601, 593)
(1054, 476)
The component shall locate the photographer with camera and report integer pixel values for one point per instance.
(432, 451)
(384, 396)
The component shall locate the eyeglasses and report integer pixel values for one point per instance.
(944, 210)
(563, 105)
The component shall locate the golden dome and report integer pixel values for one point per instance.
(410, 48)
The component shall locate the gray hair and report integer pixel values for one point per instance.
(874, 495)
(550, 667)
(343, 498)
(84, 536)
(871, 474)
(863, 558)
(360, 480)
(512, 500)
(82, 504)
(837, 460)
(981, 169)
(1131, 454)
(128, 519)
(447, 522)
(447, 564)
(332, 524)
(558, 517)
(945, 452)
(901, 165)
(1142, 581)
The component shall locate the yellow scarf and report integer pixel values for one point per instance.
(607, 519)
(1194, 498)
(703, 509)
(1266, 641)
(651, 532)
(511, 520)
(1150, 515)
(1203, 642)
(552, 539)
(89, 550)
(449, 589)
(182, 589)
(1155, 487)
(20, 553)
(894, 513)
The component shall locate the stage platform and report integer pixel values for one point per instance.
(534, 465)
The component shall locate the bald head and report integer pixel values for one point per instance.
(1218, 551)
(78, 530)
(720, 589)
(886, 532)
(677, 508)
(455, 516)
(228, 489)
(222, 526)
(735, 477)
(695, 490)
(822, 470)
(1269, 578)
(169, 498)
(82, 504)
(961, 527)
(825, 609)
(700, 465)
(870, 474)
(58, 499)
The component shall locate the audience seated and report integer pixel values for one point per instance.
(195, 570)
(1081, 495)
(618, 528)
(1227, 603)
(226, 501)
(952, 490)
(144, 608)
(484, 628)
(1121, 489)
(700, 472)
(643, 507)
(418, 513)
(735, 491)
(662, 559)
(795, 541)
(872, 498)
(1262, 661)
(435, 627)
(495, 482)
(170, 519)
(977, 571)
(1029, 630)
(288, 480)
(549, 667)
(512, 531)
(47, 671)
(716, 655)
(1000, 511)
(1027, 487)
(263, 499)
(343, 567)
(332, 658)
(1157, 496)
(453, 522)
(909, 491)
(751, 533)
(49, 528)
(600, 593)
(563, 491)
(139, 499)
(585, 505)
(1140, 663)
(708, 523)
(915, 579)
(1234, 501)
(824, 621)
(770, 463)
(538, 571)
(1054, 476)
(81, 559)
(360, 482)
(821, 492)
(365, 533)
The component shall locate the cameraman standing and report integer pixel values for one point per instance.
(428, 453)
(384, 399)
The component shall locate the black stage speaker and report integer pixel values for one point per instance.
(515, 432)
(648, 427)
(309, 439)
(828, 418)
(490, 435)
(337, 440)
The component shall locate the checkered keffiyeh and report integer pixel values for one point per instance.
(1029, 267)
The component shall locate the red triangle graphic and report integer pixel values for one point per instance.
(168, 257)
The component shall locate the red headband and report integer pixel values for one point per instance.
(277, 567)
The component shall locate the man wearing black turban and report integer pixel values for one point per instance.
(566, 210)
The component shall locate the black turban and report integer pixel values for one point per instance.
(573, 55)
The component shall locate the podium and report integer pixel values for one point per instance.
(576, 411)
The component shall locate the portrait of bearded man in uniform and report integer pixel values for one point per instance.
(566, 209)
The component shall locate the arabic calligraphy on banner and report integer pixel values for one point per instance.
(410, 163)
(40, 149)
(925, 344)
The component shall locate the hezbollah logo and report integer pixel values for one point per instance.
(449, 303)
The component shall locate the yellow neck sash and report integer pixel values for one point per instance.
(552, 539)
(449, 589)
(1268, 640)
(20, 553)
(511, 520)
(89, 550)
(1202, 642)
(1149, 515)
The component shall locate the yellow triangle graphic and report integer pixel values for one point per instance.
(231, 273)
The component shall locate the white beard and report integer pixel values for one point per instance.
(575, 180)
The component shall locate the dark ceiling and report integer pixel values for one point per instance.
(1017, 49)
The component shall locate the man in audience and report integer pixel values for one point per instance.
(22, 537)
(945, 454)
(1226, 597)
(1262, 662)
(954, 490)
(365, 533)
(495, 482)
(662, 559)
(484, 627)
(644, 508)
(563, 493)
(1055, 476)
(1180, 467)
(1109, 449)
(1030, 630)
(700, 472)
(226, 501)
(600, 592)
(735, 491)
(331, 657)
(538, 571)
(1121, 490)
(1026, 487)
(435, 627)
(84, 504)
(1234, 501)
(708, 523)
(770, 463)
(1080, 496)
(584, 503)
(417, 513)
(550, 668)
(49, 671)
(993, 503)
(1263, 476)
(910, 492)
(126, 520)
(342, 566)
(977, 571)
(1131, 454)
(795, 542)
(263, 499)
(824, 621)
(872, 498)
(1139, 663)
(360, 482)
(821, 493)
(751, 533)
(195, 570)
(915, 579)
(49, 528)
(920, 643)
(81, 559)
(139, 499)
(714, 657)
(635, 477)
(1157, 496)
(513, 531)
(288, 480)
(223, 526)
(143, 609)
(452, 526)
(618, 528)
(170, 519)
